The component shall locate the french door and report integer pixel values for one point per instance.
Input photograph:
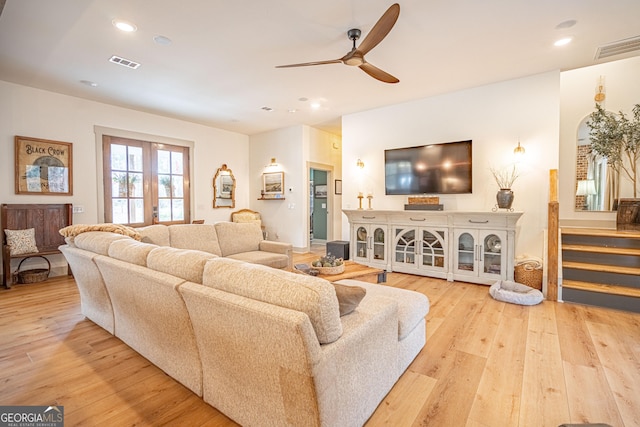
(145, 182)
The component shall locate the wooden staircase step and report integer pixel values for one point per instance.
(600, 232)
(602, 288)
(602, 249)
(601, 268)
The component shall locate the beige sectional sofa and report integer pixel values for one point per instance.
(265, 346)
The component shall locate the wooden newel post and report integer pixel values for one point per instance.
(552, 246)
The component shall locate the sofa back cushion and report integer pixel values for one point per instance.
(156, 234)
(184, 263)
(131, 251)
(97, 241)
(236, 237)
(202, 237)
(311, 295)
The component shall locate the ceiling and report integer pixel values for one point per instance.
(219, 69)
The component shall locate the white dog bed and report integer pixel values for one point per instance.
(515, 293)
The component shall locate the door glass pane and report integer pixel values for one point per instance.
(164, 210)
(164, 185)
(178, 209)
(492, 254)
(178, 189)
(120, 211)
(466, 252)
(164, 161)
(378, 244)
(405, 246)
(135, 185)
(135, 159)
(118, 157)
(136, 211)
(177, 163)
(361, 242)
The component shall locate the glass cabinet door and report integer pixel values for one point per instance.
(492, 254)
(361, 242)
(405, 246)
(466, 252)
(379, 244)
(433, 248)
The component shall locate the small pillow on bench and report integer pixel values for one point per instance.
(21, 241)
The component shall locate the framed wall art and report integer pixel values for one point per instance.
(43, 166)
(273, 184)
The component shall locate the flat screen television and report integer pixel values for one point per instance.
(429, 169)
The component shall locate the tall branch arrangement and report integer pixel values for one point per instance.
(505, 177)
(617, 138)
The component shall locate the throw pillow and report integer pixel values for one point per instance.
(348, 297)
(21, 241)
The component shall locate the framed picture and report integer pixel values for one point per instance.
(338, 187)
(43, 166)
(321, 192)
(273, 184)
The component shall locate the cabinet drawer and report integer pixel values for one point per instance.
(419, 219)
(480, 221)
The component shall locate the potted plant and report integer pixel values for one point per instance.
(505, 179)
(617, 138)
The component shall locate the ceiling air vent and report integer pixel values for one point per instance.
(124, 62)
(618, 48)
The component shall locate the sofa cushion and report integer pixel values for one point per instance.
(311, 295)
(97, 241)
(269, 259)
(131, 251)
(412, 306)
(185, 263)
(156, 234)
(202, 237)
(348, 297)
(238, 237)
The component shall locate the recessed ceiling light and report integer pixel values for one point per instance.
(125, 26)
(563, 41)
(303, 99)
(162, 40)
(292, 110)
(89, 83)
(315, 105)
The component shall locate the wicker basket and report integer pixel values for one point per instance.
(330, 270)
(529, 275)
(34, 275)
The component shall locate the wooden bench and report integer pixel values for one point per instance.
(46, 219)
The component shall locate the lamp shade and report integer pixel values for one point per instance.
(586, 187)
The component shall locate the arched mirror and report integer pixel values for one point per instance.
(224, 188)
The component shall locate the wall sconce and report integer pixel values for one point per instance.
(360, 164)
(273, 165)
(519, 150)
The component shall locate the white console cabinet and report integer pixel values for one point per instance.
(476, 247)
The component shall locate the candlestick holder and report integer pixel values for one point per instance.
(370, 197)
(360, 202)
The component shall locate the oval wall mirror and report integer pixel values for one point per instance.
(224, 188)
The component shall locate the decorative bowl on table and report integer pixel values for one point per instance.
(328, 265)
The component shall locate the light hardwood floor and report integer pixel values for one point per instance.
(486, 363)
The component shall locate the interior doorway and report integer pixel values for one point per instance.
(320, 197)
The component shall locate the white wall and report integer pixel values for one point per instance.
(293, 147)
(494, 117)
(36, 113)
(577, 91)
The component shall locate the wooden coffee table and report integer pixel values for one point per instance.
(353, 270)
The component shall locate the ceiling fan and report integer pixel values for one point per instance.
(355, 57)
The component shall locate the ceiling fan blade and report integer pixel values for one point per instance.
(306, 64)
(377, 73)
(380, 29)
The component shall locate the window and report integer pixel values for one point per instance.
(145, 182)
